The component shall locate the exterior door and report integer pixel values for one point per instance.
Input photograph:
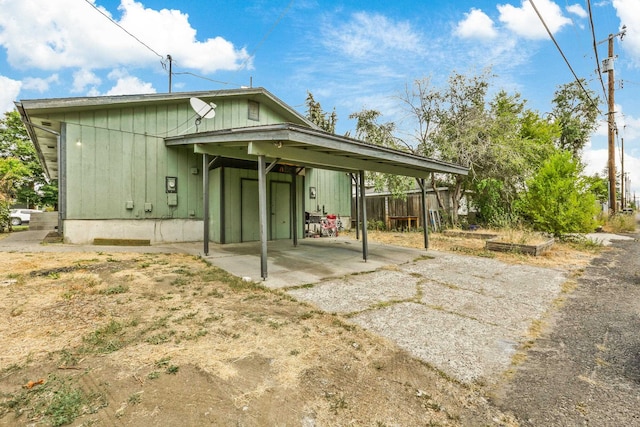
(250, 212)
(280, 210)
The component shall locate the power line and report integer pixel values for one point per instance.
(122, 28)
(268, 33)
(564, 57)
(595, 49)
(206, 78)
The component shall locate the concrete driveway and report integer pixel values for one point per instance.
(463, 315)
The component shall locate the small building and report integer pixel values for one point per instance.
(222, 166)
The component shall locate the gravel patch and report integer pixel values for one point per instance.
(463, 348)
(359, 292)
(464, 315)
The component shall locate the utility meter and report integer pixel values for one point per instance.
(171, 184)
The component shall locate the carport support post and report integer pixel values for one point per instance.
(355, 185)
(423, 200)
(205, 198)
(262, 208)
(363, 206)
(294, 208)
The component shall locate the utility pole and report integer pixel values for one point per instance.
(170, 59)
(623, 184)
(611, 119)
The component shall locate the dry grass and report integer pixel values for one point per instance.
(133, 329)
(571, 256)
(620, 224)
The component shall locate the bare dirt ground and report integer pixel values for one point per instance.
(158, 339)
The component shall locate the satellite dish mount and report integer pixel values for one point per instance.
(204, 110)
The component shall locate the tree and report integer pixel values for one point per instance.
(318, 116)
(11, 171)
(369, 130)
(576, 112)
(501, 141)
(558, 200)
(15, 144)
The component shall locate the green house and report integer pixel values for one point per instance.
(223, 166)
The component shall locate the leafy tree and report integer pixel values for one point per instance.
(500, 140)
(599, 186)
(11, 172)
(488, 199)
(576, 112)
(318, 116)
(15, 144)
(558, 200)
(369, 130)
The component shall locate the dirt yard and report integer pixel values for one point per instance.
(155, 339)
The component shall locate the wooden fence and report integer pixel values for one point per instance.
(404, 213)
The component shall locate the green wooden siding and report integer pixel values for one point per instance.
(233, 179)
(333, 192)
(118, 155)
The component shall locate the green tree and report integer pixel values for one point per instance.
(368, 129)
(500, 140)
(599, 186)
(15, 144)
(12, 170)
(558, 200)
(576, 111)
(318, 116)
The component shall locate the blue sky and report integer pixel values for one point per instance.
(350, 54)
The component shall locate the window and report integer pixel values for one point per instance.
(254, 110)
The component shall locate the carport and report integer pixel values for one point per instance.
(299, 147)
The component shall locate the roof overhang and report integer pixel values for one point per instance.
(44, 132)
(303, 146)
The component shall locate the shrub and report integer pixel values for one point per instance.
(557, 200)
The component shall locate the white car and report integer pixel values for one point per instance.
(18, 216)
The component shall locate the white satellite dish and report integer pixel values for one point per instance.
(204, 110)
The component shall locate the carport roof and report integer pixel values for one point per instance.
(288, 143)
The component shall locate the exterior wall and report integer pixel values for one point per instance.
(83, 232)
(332, 191)
(231, 190)
(117, 162)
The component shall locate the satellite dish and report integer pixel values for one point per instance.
(204, 110)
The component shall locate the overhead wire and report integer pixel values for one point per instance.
(595, 49)
(162, 58)
(268, 33)
(564, 57)
(123, 29)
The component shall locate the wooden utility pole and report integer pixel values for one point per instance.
(612, 129)
(623, 185)
(611, 120)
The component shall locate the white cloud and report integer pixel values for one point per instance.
(596, 154)
(525, 22)
(72, 34)
(127, 85)
(372, 35)
(476, 24)
(627, 11)
(9, 90)
(577, 10)
(39, 84)
(83, 78)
